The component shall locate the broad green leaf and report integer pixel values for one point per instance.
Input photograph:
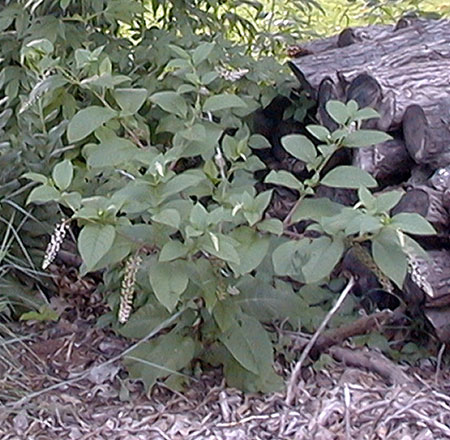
(159, 358)
(266, 302)
(362, 224)
(338, 111)
(43, 194)
(300, 147)
(179, 51)
(63, 174)
(258, 142)
(238, 377)
(271, 225)
(130, 100)
(337, 223)
(112, 151)
(94, 242)
(284, 178)
(244, 339)
(169, 217)
(42, 87)
(289, 257)
(365, 113)
(366, 197)
(221, 246)
(324, 255)
(172, 250)
(223, 101)
(168, 281)
(347, 176)
(181, 182)
(119, 250)
(86, 121)
(171, 102)
(202, 52)
(319, 132)
(412, 223)
(315, 209)
(365, 138)
(385, 202)
(44, 314)
(35, 177)
(389, 256)
(252, 249)
(143, 321)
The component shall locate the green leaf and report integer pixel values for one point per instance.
(181, 182)
(172, 250)
(362, 224)
(365, 113)
(159, 358)
(35, 177)
(258, 142)
(300, 147)
(412, 223)
(111, 152)
(86, 121)
(284, 178)
(386, 201)
(94, 242)
(271, 225)
(179, 51)
(338, 111)
(251, 250)
(315, 209)
(319, 132)
(202, 52)
(324, 255)
(143, 320)
(169, 217)
(366, 198)
(171, 102)
(223, 101)
(43, 194)
(119, 250)
(130, 100)
(347, 176)
(45, 314)
(63, 174)
(389, 256)
(365, 138)
(266, 302)
(289, 257)
(168, 281)
(245, 340)
(222, 247)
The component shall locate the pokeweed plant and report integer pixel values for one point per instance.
(312, 260)
(151, 155)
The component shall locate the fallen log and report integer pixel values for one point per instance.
(386, 67)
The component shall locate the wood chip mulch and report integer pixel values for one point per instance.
(336, 403)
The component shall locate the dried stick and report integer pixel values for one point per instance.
(292, 385)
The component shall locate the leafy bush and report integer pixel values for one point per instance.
(142, 136)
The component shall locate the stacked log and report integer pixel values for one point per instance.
(403, 72)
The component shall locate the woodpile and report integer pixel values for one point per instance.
(402, 71)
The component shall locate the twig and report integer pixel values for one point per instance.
(439, 362)
(86, 373)
(292, 385)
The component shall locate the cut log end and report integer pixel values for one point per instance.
(414, 123)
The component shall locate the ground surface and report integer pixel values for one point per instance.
(88, 399)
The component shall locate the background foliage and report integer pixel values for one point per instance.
(133, 119)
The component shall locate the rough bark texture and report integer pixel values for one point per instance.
(386, 67)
